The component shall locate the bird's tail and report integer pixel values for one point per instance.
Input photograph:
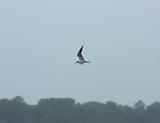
(87, 61)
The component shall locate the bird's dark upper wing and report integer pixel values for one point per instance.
(80, 54)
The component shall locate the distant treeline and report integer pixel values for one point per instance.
(66, 110)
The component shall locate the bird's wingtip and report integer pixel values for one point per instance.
(82, 46)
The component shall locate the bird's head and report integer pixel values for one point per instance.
(76, 62)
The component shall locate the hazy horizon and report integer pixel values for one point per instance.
(39, 41)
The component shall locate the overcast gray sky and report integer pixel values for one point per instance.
(39, 40)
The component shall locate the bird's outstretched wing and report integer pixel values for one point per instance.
(80, 54)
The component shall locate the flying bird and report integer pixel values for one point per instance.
(81, 58)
